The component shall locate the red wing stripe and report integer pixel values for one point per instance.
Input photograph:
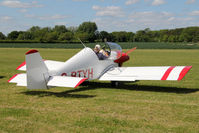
(166, 74)
(12, 77)
(22, 64)
(81, 81)
(184, 72)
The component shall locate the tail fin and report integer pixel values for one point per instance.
(37, 76)
(37, 72)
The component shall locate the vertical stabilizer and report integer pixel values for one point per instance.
(37, 72)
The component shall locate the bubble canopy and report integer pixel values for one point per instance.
(115, 50)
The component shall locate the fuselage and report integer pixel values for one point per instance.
(85, 64)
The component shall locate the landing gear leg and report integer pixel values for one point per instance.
(114, 83)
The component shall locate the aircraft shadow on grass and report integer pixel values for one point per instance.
(1, 77)
(98, 85)
(135, 87)
(64, 94)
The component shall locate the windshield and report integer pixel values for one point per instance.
(115, 50)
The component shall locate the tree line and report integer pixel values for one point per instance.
(88, 32)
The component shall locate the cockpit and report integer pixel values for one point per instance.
(111, 51)
(115, 50)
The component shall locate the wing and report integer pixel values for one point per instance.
(146, 73)
(62, 81)
(51, 65)
(19, 79)
(59, 81)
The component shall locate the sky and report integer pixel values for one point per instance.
(109, 15)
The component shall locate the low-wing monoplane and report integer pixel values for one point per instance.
(85, 65)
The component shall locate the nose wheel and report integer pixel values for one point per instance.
(114, 83)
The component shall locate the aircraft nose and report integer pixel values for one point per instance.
(122, 59)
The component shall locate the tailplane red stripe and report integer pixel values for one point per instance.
(22, 64)
(166, 74)
(184, 72)
(12, 77)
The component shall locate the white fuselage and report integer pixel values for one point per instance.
(85, 64)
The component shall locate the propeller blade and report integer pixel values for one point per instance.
(131, 50)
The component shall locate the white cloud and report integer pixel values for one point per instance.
(171, 18)
(158, 2)
(23, 10)
(60, 23)
(130, 2)
(151, 18)
(113, 11)
(194, 13)
(148, 19)
(5, 18)
(47, 17)
(53, 17)
(190, 1)
(19, 4)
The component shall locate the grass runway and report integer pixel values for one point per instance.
(144, 106)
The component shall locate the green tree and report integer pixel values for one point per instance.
(60, 29)
(41, 34)
(123, 36)
(67, 36)
(83, 36)
(105, 36)
(171, 38)
(72, 29)
(13, 35)
(51, 37)
(88, 29)
(25, 36)
(2, 36)
(34, 29)
(130, 36)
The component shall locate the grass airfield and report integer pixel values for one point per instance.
(144, 106)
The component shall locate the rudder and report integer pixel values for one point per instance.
(37, 72)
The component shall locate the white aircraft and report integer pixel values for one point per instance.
(85, 65)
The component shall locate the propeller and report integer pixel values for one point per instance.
(131, 50)
(124, 57)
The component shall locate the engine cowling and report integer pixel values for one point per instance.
(122, 59)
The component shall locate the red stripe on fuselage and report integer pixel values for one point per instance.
(184, 72)
(166, 74)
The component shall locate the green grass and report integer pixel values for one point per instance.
(124, 45)
(145, 106)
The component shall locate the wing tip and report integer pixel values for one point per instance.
(21, 65)
(184, 72)
(12, 78)
(80, 82)
(31, 51)
(168, 71)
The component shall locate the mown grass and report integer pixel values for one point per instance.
(145, 106)
(124, 45)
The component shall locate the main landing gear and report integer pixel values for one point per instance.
(114, 83)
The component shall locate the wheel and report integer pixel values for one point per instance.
(114, 83)
(86, 83)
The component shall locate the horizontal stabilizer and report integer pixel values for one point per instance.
(146, 73)
(51, 65)
(62, 81)
(20, 79)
